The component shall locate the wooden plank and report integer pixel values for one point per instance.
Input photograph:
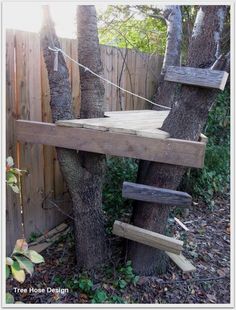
(147, 237)
(196, 76)
(172, 151)
(155, 194)
(61, 227)
(13, 216)
(75, 79)
(154, 133)
(181, 224)
(35, 215)
(143, 124)
(28, 87)
(48, 151)
(181, 261)
(44, 245)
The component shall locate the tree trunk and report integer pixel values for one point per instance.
(81, 173)
(185, 121)
(173, 18)
(92, 218)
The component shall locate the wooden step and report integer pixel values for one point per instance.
(147, 237)
(197, 77)
(182, 262)
(155, 194)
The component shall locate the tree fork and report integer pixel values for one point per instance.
(185, 121)
(82, 172)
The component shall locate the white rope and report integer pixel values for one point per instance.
(56, 50)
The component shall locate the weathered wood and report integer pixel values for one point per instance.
(43, 242)
(155, 194)
(172, 151)
(181, 224)
(13, 216)
(196, 76)
(182, 262)
(147, 237)
(28, 95)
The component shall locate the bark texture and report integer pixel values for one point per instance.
(82, 175)
(173, 18)
(185, 121)
(92, 218)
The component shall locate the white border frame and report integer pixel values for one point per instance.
(3, 158)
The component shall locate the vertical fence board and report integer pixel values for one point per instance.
(75, 79)
(13, 216)
(28, 87)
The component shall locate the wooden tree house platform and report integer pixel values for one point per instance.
(133, 134)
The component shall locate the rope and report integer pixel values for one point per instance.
(56, 50)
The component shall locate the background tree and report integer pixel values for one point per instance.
(82, 171)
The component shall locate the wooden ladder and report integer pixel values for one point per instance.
(172, 247)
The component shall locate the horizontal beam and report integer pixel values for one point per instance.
(155, 194)
(170, 151)
(182, 262)
(147, 237)
(197, 77)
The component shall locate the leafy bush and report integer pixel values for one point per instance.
(22, 260)
(118, 170)
(214, 178)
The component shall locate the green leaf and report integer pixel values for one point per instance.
(9, 261)
(25, 263)
(135, 280)
(7, 272)
(15, 188)
(100, 296)
(122, 283)
(17, 272)
(35, 257)
(11, 178)
(9, 298)
(85, 285)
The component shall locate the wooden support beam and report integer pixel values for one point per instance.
(155, 194)
(197, 77)
(182, 262)
(171, 151)
(147, 237)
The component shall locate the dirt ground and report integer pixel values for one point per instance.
(207, 246)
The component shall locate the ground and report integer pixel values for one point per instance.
(207, 245)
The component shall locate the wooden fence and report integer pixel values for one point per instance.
(27, 97)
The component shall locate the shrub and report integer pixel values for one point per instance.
(214, 178)
(119, 169)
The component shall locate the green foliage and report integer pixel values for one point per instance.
(12, 175)
(127, 27)
(9, 299)
(124, 276)
(33, 236)
(214, 178)
(118, 170)
(99, 297)
(22, 261)
(85, 285)
(116, 300)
